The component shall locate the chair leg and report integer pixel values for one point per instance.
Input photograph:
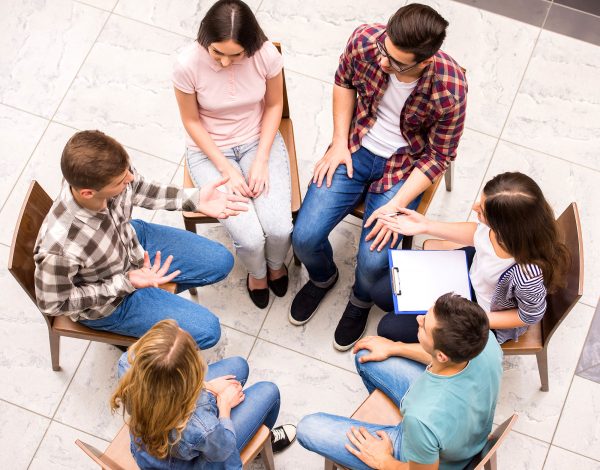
(407, 242)
(296, 260)
(267, 455)
(542, 361)
(330, 465)
(449, 177)
(193, 291)
(190, 226)
(491, 464)
(54, 350)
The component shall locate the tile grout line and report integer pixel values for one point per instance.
(541, 28)
(58, 405)
(573, 452)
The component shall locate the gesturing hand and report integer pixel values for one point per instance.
(152, 276)
(409, 222)
(218, 204)
(381, 233)
(373, 451)
(335, 156)
(379, 348)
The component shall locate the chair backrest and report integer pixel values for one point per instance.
(20, 262)
(491, 447)
(286, 108)
(561, 302)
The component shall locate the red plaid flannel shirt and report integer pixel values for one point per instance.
(432, 120)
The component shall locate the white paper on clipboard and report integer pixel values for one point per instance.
(419, 277)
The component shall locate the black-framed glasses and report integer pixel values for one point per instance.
(395, 64)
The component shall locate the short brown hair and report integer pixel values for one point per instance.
(462, 329)
(91, 160)
(417, 29)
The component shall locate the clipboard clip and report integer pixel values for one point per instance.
(396, 281)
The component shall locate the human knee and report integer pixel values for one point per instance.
(250, 241)
(303, 240)
(360, 365)
(209, 334)
(239, 367)
(308, 428)
(268, 390)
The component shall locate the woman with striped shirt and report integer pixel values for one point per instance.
(515, 256)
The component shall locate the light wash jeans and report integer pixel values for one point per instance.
(261, 236)
(201, 262)
(323, 208)
(325, 434)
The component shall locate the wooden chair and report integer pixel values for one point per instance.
(359, 210)
(190, 219)
(21, 265)
(537, 337)
(559, 304)
(379, 409)
(118, 455)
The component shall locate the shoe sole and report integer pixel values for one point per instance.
(345, 348)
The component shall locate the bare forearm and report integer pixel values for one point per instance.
(505, 319)
(457, 232)
(344, 100)
(206, 144)
(393, 464)
(412, 351)
(414, 185)
(270, 123)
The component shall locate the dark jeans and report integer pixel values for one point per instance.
(403, 327)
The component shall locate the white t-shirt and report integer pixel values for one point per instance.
(487, 267)
(385, 138)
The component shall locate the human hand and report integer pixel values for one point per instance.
(236, 184)
(216, 386)
(379, 348)
(376, 452)
(218, 204)
(381, 233)
(231, 396)
(408, 222)
(258, 178)
(152, 276)
(336, 155)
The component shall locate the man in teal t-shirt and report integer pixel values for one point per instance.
(447, 407)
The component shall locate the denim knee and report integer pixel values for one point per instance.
(227, 261)
(210, 332)
(303, 240)
(309, 427)
(359, 365)
(268, 390)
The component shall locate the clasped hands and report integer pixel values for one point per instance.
(258, 179)
(226, 389)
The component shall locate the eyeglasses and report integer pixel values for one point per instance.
(395, 64)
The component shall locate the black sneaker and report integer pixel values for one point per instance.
(307, 300)
(351, 327)
(282, 437)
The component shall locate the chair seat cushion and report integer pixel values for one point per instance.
(529, 343)
(64, 326)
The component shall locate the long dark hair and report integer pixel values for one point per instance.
(525, 226)
(231, 19)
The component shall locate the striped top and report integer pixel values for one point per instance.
(521, 287)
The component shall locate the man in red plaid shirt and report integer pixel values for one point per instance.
(399, 107)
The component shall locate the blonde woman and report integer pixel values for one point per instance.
(183, 414)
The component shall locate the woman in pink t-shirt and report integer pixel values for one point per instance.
(229, 89)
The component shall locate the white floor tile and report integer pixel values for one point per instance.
(559, 459)
(172, 15)
(125, 89)
(26, 375)
(557, 108)
(19, 134)
(58, 450)
(520, 391)
(306, 386)
(579, 427)
(20, 434)
(43, 44)
(522, 452)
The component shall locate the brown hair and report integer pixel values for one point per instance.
(462, 329)
(231, 19)
(525, 226)
(417, 29)
(91, 160)
(160, 389)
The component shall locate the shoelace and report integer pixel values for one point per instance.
(279, 434)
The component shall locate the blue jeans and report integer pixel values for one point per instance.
(325, 434)
(323, 208)
(201, 262)
(261, 405)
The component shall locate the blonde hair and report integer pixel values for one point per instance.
(160, 389)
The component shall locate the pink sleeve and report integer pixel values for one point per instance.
(271, 60)
(183, 78)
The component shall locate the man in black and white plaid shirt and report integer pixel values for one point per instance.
(103, 269)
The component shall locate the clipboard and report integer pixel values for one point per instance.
(419, 277)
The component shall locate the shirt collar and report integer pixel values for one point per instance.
(212, 63)
(92, 218)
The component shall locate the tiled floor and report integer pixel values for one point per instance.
(534, 106)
